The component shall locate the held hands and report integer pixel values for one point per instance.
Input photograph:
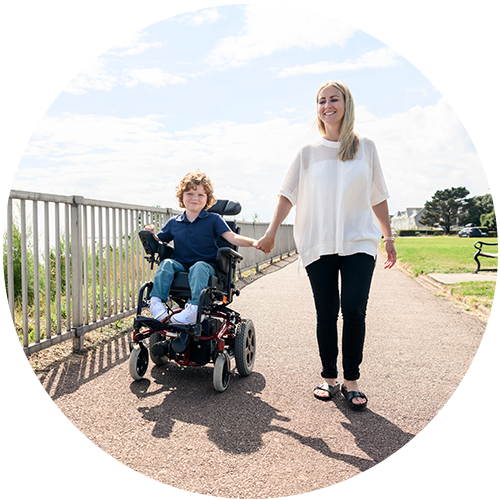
(266, 244)
(391, 254)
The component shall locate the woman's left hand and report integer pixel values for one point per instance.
(391, 254)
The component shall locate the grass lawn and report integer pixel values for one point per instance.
(442, 254)
(450, 254)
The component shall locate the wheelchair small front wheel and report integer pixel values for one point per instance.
(245, 347)
(222, 372)
(138, 362)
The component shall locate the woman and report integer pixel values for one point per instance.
(337, 185)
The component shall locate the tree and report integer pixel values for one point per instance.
(447, 207)
(489, 220)
(479, 206)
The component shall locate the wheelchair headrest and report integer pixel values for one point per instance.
(226, 207)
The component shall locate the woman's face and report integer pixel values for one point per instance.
(331, 106)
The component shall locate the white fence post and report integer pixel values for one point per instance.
(76, 271)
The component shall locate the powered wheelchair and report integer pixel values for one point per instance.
(219, 333)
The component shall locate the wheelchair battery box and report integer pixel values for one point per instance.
(202, 351)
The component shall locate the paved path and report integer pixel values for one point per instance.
(267, 436)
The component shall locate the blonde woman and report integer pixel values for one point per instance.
(336, 185)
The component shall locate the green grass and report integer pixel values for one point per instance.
(448, 254)
(475, 293)
(441, 254)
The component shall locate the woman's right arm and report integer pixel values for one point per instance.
(266, 243)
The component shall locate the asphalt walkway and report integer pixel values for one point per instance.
(267, 436)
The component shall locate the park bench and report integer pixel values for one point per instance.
(481, 253)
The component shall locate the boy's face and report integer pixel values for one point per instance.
(195, 199)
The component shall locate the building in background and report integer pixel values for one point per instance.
(408, 219)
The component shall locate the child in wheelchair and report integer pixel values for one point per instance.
(195, 234)
(198, 274)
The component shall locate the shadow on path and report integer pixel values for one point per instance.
(423, 466)
(235, 420)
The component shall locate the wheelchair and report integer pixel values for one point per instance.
(219, 335)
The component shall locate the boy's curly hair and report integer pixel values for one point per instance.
(193, 180)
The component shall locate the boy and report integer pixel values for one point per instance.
(194, 233)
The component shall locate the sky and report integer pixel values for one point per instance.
(230, 90)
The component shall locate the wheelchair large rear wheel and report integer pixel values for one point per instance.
(154, 339)
(138, 362)
(245, 347)
(222, 372)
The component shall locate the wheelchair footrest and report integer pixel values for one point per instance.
(151, 323)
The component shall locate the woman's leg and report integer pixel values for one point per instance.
(356, 273)
(323, 276)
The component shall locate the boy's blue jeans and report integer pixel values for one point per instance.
(199, 274)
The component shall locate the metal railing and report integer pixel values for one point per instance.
(75, 264)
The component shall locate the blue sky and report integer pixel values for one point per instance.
(231, 90)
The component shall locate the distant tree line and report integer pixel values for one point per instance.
(450, 207)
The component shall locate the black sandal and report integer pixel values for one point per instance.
(328, 388)
(354, 394)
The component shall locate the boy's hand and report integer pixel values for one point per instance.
(266, 244)
(150, 228)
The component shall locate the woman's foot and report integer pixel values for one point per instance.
(327, 390)
(357, 401)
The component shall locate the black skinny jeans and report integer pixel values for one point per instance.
(356, 273)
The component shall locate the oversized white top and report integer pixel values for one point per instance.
(334, 199)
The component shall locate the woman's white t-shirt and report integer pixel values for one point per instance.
(334, 199)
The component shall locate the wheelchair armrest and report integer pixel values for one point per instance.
(224, 256)
(152, 246)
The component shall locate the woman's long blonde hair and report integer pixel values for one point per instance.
(349, 140)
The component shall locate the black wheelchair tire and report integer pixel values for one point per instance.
(138, 362)
(222, 372)
(245, 347)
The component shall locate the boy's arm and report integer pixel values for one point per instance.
(239, 240)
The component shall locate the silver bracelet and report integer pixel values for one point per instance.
(389, 238)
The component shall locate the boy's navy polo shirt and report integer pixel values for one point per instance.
(194, 241)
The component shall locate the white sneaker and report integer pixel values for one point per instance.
(158, 309)
(187, 315)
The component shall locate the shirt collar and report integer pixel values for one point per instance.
(201, 215)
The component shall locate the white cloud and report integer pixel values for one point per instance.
(381, 58)
(271, 27)
(137, 160)
(95, 77)
(132, 45)
(197, 15)
(200, 17)
(464, 27)
(153, 77)
(422, 150)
